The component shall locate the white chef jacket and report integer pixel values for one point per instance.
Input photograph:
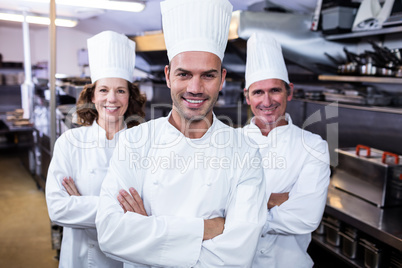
(83, 154)
(183, 181)
(294, 161)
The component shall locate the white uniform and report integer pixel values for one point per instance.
(182, 182)
(295, 161)
(83, 154)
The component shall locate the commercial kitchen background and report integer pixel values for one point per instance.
(338, 95)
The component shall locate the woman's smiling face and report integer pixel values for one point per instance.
(111, 97)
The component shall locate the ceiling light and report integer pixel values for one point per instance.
(37, 19)
(99, 4)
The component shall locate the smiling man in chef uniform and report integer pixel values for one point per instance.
(298, 167)
(173, 180)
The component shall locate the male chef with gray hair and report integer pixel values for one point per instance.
(173, 181)
(296, 162)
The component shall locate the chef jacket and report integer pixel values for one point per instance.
(183, 181)
(294, 161)
(83, 154)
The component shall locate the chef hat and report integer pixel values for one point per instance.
(264, 59)
(111, 55)
(196, 25)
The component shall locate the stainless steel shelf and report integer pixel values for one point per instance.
(320, 241)
(381, 31)
(382, 224)
(368, 79)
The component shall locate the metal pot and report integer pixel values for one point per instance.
(348, 68)
(385, 72)
(367, 69)
(398, 73)
(372, 254)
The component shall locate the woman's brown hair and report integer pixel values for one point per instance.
(87, 112)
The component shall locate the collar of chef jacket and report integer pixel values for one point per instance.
(99, 134)
(278, 133)
(172, 134)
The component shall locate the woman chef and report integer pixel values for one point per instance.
(81, 155)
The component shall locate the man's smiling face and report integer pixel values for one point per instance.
(268, 99)
(195, 79)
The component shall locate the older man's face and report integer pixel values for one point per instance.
(267, 100)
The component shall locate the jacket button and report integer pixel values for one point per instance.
(155, 182)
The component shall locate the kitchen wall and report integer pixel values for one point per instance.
(68, 42)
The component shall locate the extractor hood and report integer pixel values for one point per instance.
(300, 45)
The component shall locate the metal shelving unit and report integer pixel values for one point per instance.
(337, 251)
(368, 79)
(382, 31)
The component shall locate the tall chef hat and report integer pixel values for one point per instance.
(196, 25)
(264, 59)
(111, 54)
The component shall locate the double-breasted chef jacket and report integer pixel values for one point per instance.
(294, 161)
(183, 181)
(83, 154)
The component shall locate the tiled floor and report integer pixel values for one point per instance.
(25, 239)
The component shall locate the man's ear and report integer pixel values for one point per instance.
(290, 96)
(224, 72)
(246, 95)
(167, 72)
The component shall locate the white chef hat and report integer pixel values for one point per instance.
(111, 54)
(264, 59)
(196, 25)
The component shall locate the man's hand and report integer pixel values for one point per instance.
(69, 184)
(213, 227)
(131, 202)
(276, 199)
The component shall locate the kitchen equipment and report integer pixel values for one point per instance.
(374, 176)
(385, 72)
(332, 227)
(367, 69)
(395, 260)
(345, 97)
(351, 66)
(372, 254)
(350, 242)
(370, 97)
(338, 19)
(371, 15)
(395, 17)
(348, 68)
(378, 100)
(320, 229)
(399, 72)
(314, 95)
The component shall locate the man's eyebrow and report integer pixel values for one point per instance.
(187, 71)
(271, 88)
(181, 70)
(210, 71)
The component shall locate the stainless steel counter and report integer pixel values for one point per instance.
(384, 224)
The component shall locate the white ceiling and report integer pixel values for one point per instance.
(95, 20)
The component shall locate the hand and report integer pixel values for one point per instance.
(131, 202)
(213, 227)
(276, 199)
(69, 184)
